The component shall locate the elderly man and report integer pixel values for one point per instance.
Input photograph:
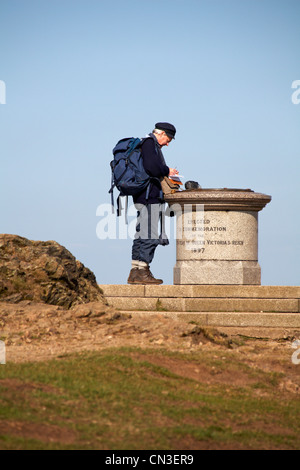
(148, 204)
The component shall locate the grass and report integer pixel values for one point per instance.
(121, 399)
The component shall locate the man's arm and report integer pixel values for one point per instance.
(152, 161)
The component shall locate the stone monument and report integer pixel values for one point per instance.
(217, 235)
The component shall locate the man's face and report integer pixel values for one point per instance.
(163, 139)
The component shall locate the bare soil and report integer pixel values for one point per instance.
(38, 332)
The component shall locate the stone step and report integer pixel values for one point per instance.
(262, 320)
(204, 305)
(207, 298)
(202, 291)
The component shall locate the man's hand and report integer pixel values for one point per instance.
(173, 172)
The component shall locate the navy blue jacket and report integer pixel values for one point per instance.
(155, 166)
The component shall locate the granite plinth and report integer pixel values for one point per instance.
(217, 236)
(217, 272)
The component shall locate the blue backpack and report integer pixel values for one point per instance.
(128, 173)
(129, 176)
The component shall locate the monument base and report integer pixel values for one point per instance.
(217, 272)
(217, 236)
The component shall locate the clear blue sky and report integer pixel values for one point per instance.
(81, 74)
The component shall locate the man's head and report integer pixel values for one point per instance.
(164, 133)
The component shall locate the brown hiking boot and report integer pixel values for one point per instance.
(132, 276)
(144, 276)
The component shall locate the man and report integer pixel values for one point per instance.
(148, 204)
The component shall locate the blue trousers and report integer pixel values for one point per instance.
(146, 237)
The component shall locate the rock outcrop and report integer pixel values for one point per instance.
(44, 272)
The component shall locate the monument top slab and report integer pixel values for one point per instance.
(221, 199)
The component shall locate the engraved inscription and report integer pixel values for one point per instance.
(202, 233)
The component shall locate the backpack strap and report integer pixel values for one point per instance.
(119, 208)
(163, 239)
(111, 192)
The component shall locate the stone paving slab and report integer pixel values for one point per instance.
(190, 291)
(204, 304)
(232, 319)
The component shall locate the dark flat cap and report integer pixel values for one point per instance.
(168, 128)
